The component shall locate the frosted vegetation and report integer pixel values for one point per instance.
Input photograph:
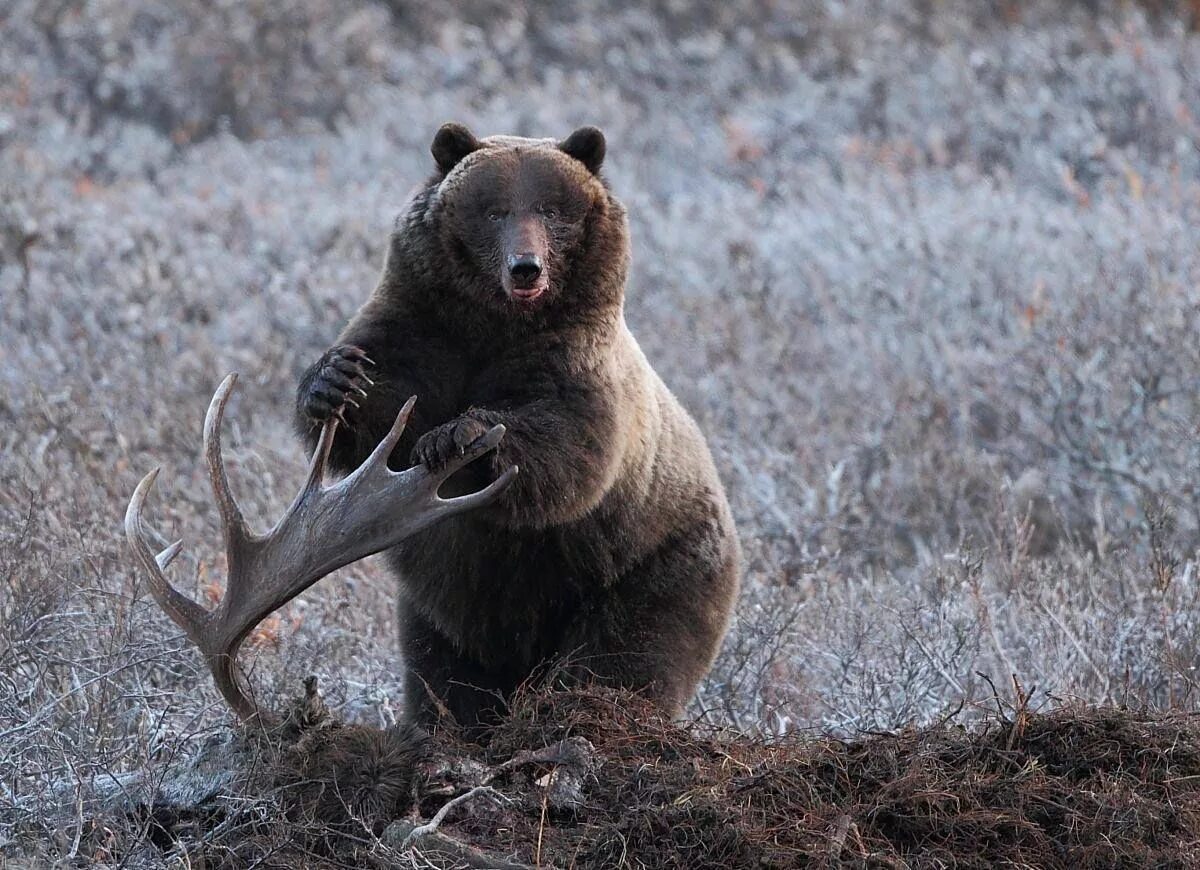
(928, 274)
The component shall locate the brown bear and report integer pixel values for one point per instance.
(614, 550)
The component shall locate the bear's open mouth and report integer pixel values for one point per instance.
(528, 294)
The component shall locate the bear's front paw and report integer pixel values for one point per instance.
(336, 380)
(441, 444)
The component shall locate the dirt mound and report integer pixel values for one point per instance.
(1077, 787)
(598, 779)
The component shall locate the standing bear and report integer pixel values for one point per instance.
(613, 554)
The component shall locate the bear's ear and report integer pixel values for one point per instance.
(452, 143)
(587, 146)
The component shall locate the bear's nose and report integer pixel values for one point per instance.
(525, 268)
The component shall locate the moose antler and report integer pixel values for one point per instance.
(324, 529)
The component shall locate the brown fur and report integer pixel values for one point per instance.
(614, 548)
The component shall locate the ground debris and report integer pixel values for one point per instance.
(596, 778)
(1076, 787)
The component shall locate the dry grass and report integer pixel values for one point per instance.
(926, 274)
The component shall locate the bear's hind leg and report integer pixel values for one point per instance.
(658, 630)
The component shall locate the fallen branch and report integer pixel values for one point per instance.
(432, 825)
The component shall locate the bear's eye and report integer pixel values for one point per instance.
(496, 214)
(548, 211)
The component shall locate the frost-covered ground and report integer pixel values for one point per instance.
(928, 274)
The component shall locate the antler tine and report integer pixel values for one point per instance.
(383, 450)
(186, 613)
(484, 496)
(167, 556)
(319, 462)
(232, 521)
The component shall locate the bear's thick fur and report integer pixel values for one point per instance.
(614, 551)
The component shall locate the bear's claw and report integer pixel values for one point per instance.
(439, 445)
(332, 382)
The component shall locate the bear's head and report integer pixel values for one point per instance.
(528, 225)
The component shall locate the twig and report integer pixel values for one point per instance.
(929, 656)
(1070, 635)
(432, 825)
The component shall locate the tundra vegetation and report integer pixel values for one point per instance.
(927, 275)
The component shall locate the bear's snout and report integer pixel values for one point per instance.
(525, 277)
(525, 244)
